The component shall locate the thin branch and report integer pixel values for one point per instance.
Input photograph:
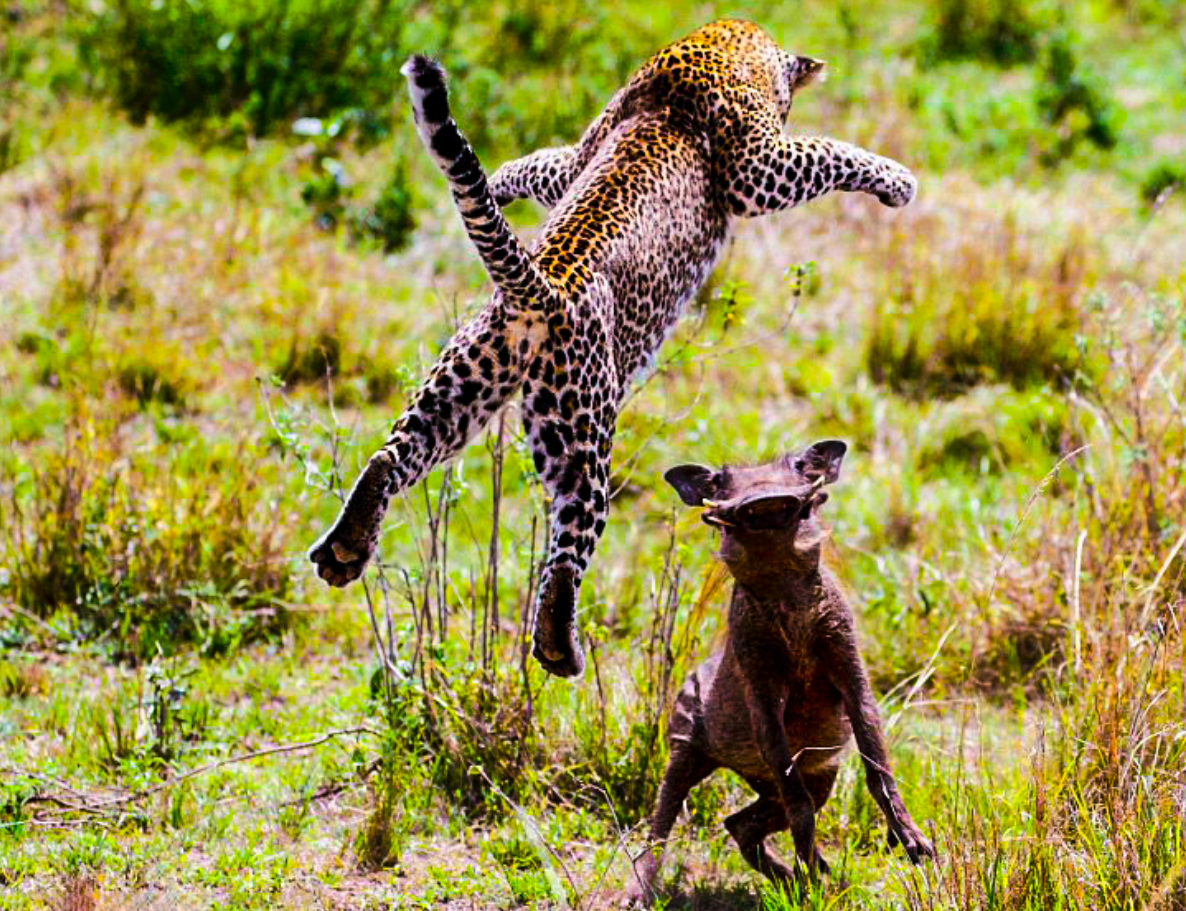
(99, 807)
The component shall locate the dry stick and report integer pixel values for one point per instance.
(490, 620)
(525, 622)
(381, 649)
(619, 845)
(537, 838)
(1152, 591)
(99, 806)
(442, 576)
(1037, 491)
(920, 680)
(1076, 609)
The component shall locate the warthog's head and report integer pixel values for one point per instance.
(766, 514)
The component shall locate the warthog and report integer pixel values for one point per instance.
(786, 694)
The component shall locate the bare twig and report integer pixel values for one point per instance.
(101, 806)
(1037, 492)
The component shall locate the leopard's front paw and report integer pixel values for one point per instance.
(897, 188)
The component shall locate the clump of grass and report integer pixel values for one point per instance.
(157, 374)
(1103, 787)
(993, 430)
(21, 679)
(522, 867)
(376, 847)
(311, 360)
(141, 556)
(102, 230)
(988, 315)
(483, 740)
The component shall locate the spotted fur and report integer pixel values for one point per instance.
(640, 208)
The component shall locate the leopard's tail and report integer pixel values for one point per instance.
(502, 253)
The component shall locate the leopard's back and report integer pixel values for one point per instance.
(644, 215)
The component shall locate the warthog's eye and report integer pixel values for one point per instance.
(769, 515)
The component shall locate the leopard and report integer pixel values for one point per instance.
(638, 212)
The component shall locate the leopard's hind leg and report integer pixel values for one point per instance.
(570, 402)
(482, 366)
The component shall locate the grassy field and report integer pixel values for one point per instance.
(208, 319)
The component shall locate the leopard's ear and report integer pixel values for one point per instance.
(807, 70)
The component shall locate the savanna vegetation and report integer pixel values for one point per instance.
(225, 261)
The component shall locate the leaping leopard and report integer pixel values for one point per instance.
(639, 208)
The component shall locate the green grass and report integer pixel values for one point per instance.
(194, 366)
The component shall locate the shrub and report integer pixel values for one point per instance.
(1074, 100)
(257, 62)
(1164, 176)
(1002, 32)
(326, 193)
(147, 557)
(390, 220)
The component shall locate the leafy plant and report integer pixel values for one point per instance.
(1002, 32)
(1074, 100)
(253, 65)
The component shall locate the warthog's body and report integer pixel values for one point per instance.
(788, 692)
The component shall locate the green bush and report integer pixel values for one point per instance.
(326, 193)
(1002, 32)
(1074, 100)
(1165, 175)
(258, 63)
(390, 221)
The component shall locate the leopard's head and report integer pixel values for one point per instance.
(794, 72)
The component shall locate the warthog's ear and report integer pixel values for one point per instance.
(693, 483)
(821, 461)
